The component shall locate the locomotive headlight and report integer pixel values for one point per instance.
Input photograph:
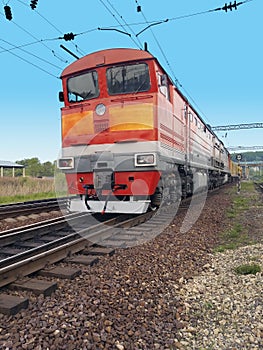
(145, 159)
(66, 163)
(100, 109)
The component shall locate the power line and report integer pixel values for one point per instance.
(158, 43)
(149, 23)
(31, 54)
(40, 41)
(225, 8)
(32, 64)
(50, 23)
(113, 15)
(122, 18)
(139, 9)
(39, 14)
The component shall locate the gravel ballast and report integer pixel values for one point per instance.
(224, 309)
(169, 293)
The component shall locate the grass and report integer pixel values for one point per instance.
(232, 239)
(21, 189)
(247, 269)
(237, 234)
(247, 186)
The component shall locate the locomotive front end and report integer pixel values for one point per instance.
(112, 182)
(109, 149)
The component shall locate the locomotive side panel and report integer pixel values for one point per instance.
(200, 141)
(170, 121)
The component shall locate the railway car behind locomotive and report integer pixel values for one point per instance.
(130, 139)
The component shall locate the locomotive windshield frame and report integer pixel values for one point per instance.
(83, 86)
(127, 79)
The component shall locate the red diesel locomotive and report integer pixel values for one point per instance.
(130, 139)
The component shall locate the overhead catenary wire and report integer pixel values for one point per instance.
(5, 2)
(52, 25)
(38, 40)
(24, 45)
(39, 14)
(126, 24)
(145, 22)
(154, 22)
(31, 54)
(160, 47)
(113, 15)
(225, 8)
(32, 64)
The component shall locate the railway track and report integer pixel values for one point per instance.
(32, 207)
(75, 238)
(28, 249)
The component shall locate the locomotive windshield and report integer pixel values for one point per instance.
(83, 87)
(128, 79)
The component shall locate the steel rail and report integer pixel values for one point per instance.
(32, 207)
(45, 247)
(27, 262)
(37, 229)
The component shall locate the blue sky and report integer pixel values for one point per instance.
(216, 56)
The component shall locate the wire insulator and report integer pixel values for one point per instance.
(231, 6)
(33, 4)
(68, 36)
(8, 13)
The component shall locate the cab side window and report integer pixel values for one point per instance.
(163, 84)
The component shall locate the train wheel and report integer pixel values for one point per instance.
(156, 199)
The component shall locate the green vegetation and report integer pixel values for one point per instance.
(25, 188)
(22, 189)
(247, 186)
(208, 305)
(237, 235)
(34, 168)
(254, 172)
(247, 269)
(42, 181)
(249, 156)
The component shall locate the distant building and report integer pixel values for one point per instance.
(4, 164)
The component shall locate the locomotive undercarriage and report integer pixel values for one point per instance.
(172, 186)
(184, 183)
(108, 192)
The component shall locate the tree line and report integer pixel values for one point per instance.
(249, 156)
(35, 168)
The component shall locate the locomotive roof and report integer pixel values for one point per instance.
(106, 57)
